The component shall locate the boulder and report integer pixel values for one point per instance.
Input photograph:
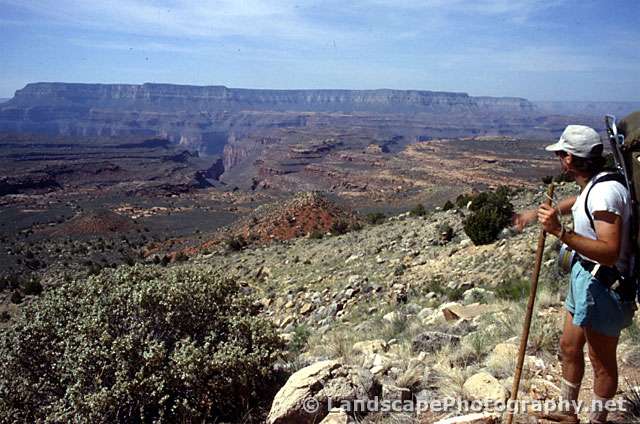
(394, 393)
(336, 416)
(503, 360)
(370, 347)
(392, 316)
(484, 386)
(306, 308)
(455, 312)
(304, 399)
(433, 341)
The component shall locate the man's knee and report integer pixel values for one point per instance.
(570, 350)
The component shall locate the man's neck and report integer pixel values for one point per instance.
(583, 179)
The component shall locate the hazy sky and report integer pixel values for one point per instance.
(541, 50)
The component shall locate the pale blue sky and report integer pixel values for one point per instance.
(541, 50)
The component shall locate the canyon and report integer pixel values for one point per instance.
(280, 139)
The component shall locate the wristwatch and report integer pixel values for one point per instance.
(563, 233)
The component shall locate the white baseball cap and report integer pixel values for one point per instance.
(579, 140)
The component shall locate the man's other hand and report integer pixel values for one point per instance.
(522, 219)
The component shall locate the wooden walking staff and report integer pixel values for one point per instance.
(524, 337)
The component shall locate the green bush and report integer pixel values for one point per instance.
(138, 344)
(300, 339)
(236, 243)
(513, 289)
(491, 212)
(375, 218)
(418, 210)
(445, 231)
(16, 297)
(339, 227)
(32, 286)
(462, 200)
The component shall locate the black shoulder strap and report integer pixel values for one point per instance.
(613, 176)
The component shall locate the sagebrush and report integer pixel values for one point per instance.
(137, 344)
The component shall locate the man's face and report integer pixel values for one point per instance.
(565, 161)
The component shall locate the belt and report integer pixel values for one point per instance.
(611, 278)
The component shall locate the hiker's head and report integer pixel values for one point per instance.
(580, 150)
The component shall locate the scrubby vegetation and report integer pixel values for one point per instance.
(448, 205)
(418, 210)
(339, 227)
(491, 212)
(137, 344)
(236, 243)
(375, 218)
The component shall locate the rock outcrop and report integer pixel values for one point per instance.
(307, 395)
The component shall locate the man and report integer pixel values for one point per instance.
(596, 308)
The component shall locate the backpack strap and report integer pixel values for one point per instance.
(613, 176)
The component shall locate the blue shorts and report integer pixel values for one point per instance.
(594, 305)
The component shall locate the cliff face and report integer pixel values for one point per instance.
(207, 119)
(184, 98)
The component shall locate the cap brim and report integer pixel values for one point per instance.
(555, 147)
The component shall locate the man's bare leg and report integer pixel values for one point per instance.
(572, 344)
(602, 352)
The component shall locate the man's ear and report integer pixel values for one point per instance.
(569, 159)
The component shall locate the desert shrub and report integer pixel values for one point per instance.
(544, 335)
(236, 243)
(462, 200)
(32, 286)
(316, 234)
(448, 205)
(339, 227)
(492, 211)
(356, 226)
(137, 344)
(451, 291)
(181, 257)
(9, 282)
(375, 218)
(513, 289)
(445, 231)
(16, 297)
(93, 268)
(300, 339)
(631, 397)
(418, 210)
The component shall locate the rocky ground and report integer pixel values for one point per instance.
(410, 309)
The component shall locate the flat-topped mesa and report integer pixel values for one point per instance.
(186, 98)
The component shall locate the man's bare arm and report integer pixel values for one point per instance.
(566, 204)
(524, 218)
(604, 250)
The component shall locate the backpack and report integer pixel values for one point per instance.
(624, 139)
